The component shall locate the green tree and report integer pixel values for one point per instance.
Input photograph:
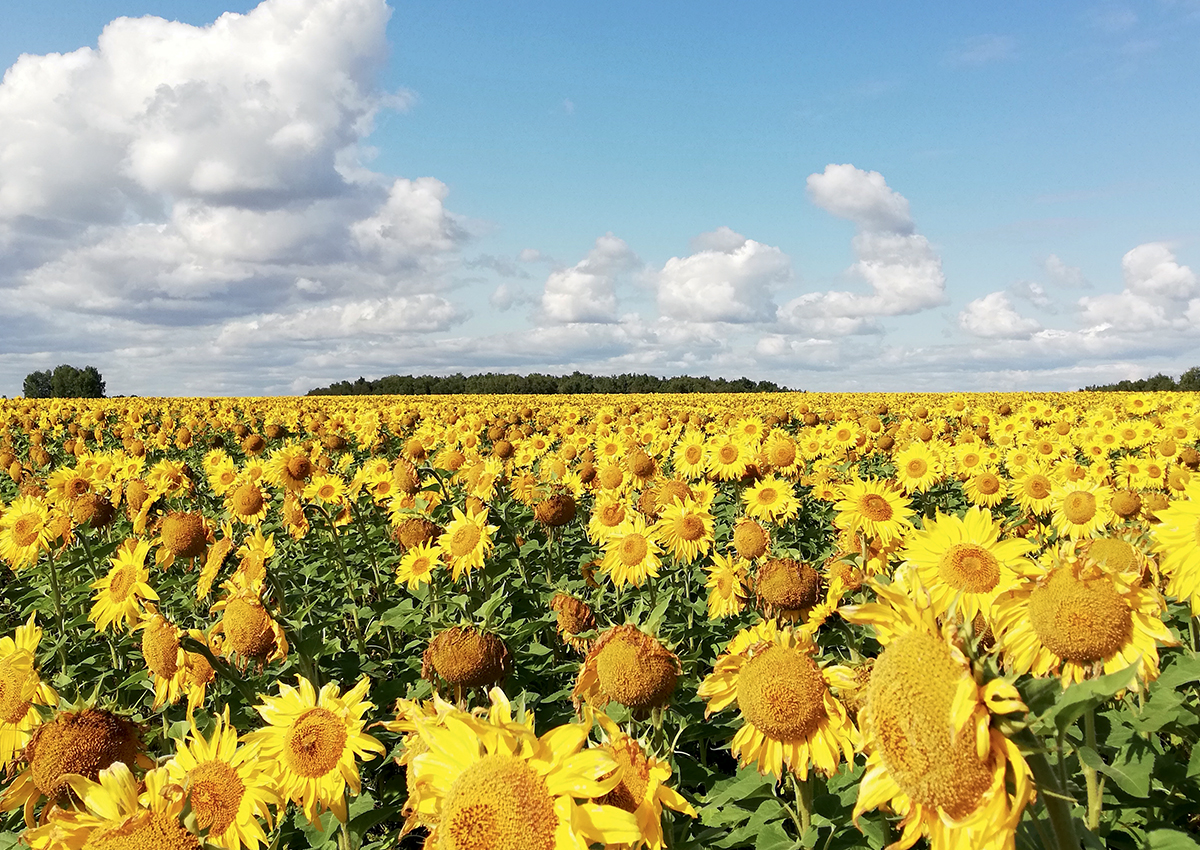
(1189, 381)
(69, 382)
(37, 385)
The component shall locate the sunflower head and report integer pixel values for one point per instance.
(556, 511)
(786, 586)
(79, 742)
(465, 657)
(750, 539)
(184, 534)
(573, 616)
(630, 667)
(93, 510)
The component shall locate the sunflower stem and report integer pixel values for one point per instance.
(220, 667)
(337, 542)
(1058, 805)
(804, 798)
(93, 568)
(55, 592)
(1095, 787)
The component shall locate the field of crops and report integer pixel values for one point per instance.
(522, 623)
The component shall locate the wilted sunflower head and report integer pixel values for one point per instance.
(79, 742)
(786, 586)
(465, 657)
(184, 534)
(415, 530)
(556, 511)
(750, 539)
(628, 666)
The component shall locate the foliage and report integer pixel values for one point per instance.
(65, 382)
(492, 383)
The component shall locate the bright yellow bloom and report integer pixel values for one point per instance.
(726, 585)
(467, 541)
(874, 507)
(1177, 537)
(631, 554)
(686, 529)
(771, 500)
(418, 563)
(312, 743)
(20, 690)
(24, 531)
(119, 594)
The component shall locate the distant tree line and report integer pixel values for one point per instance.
(493, 383)
(1189, 381)
(65, 382)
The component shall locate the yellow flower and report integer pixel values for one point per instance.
(1081, 509)
(227, 787)
(641, 790)
(24, 531)
(1081, 617)
(726, 586)
(628, 666)
(728, 458)
(771, 500)
(1177, 537)
(917, 468)
(874, 507)
(312, 741)
(493, 783)
(986, 489)
(119, 593)
(790, 717)
(325, 488)
(467, 541)
(686, 529)
(933, 756)
(20, 689)
(418, 563)
(608, 514)
(691, 456)
(164, 657)
(963, 563)
(630, 553)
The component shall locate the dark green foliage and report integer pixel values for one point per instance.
(65, 382)
(493, 383)
(1189, 381)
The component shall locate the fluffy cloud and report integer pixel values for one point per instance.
(206, 179)
(586, 292)
(899, 265)
(729, 278)
(1063, 274)
(1155, 298)
(993, 317)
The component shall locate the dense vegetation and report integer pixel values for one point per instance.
(494, 383)
(65, 382)
(1189, 381)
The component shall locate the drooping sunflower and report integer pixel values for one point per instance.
(873, 506)
(181, 535)
(1077, 618)
(1081, 509)
(963, 563)
(213, 561)
(628, 666)
(573, 617)
(932, 754)
(1177, 537)
(164, 657)
(642, 789)
(314, 741)
(115, 815)
(771, 500)
(20, 689)
(229, 790)
(24, 531)
(791, 718)
(726, 585)
(466, 541)
(631, 554)
(119, 594)
(686, 529)
(248, 629)
(481, 783)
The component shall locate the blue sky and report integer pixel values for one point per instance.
(847, 197)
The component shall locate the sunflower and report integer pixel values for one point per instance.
(1082, 509)
(213, 561)
(115, 815)
(66, 484)
(20, 689)
(164, 657)
(963, 563)
(690, 457)
(627, 666)
(118, 594)
(247, 501)
(314, 741)
(986, 489)
(1177, 537)
(608, 514)
(181, 535)
(1033, 490)
(325, 488)
(686, 529)
(631, 554)
(290, 467)
(873, 506)
(933, 756)
(248, 629)
(227, 788)
(256, 553)
(726, 585)
(573, 618)
(1080, 617)
(781, 453)
(494, 783)
(917, 468)
(641, 790)
(417, 564)
(24, 531)
(294, 519)
(790, 717)
(467, 540)
(771, 500)
(728, 458)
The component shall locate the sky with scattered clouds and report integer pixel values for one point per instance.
(217, 198)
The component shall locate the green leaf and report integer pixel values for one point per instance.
(1131, 775)
(1194, 763)
(773, 837)
(1086, 695)
(1184, 671)
(1170, 839)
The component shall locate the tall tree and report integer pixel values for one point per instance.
(37, 385)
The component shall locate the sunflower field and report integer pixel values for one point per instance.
(550, 622)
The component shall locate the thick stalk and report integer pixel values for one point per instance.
(93, 567)
(337, 542)
(1095, 787)
(220, 667)
(54, 590)
(804, 798)
(1058, 805)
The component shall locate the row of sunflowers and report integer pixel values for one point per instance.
(523, 623)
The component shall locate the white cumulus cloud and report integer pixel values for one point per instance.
(586, 292)
(993, 317)
(729, 278)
